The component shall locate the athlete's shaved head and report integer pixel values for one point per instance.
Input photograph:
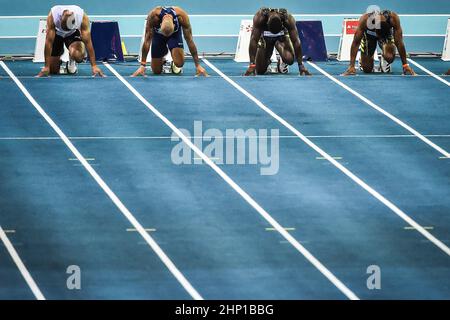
(167, 25)
(274, 23)
(68, 20)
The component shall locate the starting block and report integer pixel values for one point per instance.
(39, 56)
(446, 51)
(106, 41)
(345, 43)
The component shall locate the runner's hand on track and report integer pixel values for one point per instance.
(139, 72)
(97, 71)
(407, 70)
(251, 71)
(351, 71)
(303, 71)
(45, 71)
(201, 71)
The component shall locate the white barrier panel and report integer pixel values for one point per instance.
(243, 43)
(345, 44)
(446, 51)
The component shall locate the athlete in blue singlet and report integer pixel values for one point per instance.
(164, 32)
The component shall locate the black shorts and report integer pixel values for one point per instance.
(59, 42)
(161, 44)
(369, 43)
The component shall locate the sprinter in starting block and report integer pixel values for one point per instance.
(380, 28)
(164, 31)
(69, 26)
(274, 28)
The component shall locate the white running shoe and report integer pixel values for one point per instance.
(175, 69)
(281, 66)
(385, 67)
(167, 67)
(71, 66)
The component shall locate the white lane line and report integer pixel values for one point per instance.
(87, 159)
(429, 72)
(356, 136)
(23, 270)
(312, 259)
(381, 110)
(287, 229)
(150, 241)
(339, 166)
(335, 158)
(146, 229)
(425, 227)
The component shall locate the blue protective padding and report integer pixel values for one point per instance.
(313, 40)
(106, 41)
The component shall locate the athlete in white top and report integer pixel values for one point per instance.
(69, 26)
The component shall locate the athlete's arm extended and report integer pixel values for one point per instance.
(87, 40)
(147, 38)
(398, 38)
(362, 26)
(187, 32)
(293, 34)
(49, 39)
(257, 30)
(146, 45)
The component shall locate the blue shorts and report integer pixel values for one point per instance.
(161, 44)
